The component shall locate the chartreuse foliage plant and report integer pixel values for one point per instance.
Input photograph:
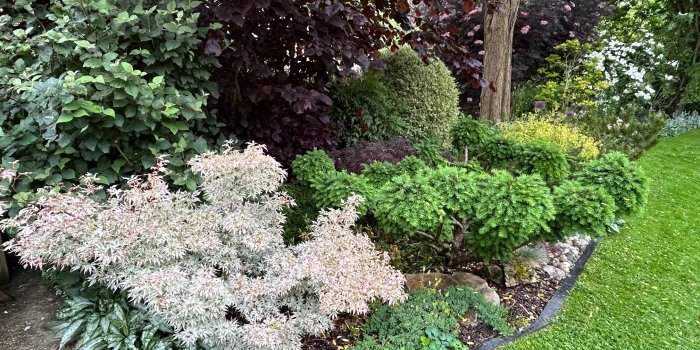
(619, 177)
(512, 211)
(551, 128)
(213, 267)
(101, 87)
(581, 209)
(573, 83)
(425, 95)
(429, 320)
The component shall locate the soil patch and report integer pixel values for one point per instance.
(24, 321)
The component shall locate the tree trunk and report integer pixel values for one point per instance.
(4, 271)
(499, 24)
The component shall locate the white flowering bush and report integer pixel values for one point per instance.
(633, 70)
(215, 270)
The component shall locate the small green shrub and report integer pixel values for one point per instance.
(364, 111)
(308, 166)
(542, 158)
(411, 165)
(407, 204)
(431, 151)
(332, 188)
(429, 319)
(426, 95)
(457, 187)
(379, 173)
(581, 209)
(627, 129)
(511, 211)
(619, 177)
(483, 143)
(471, 133)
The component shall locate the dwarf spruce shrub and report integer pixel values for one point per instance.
(619, 177)
(458, 188)
(471, 133)
(581, 209)
(407, 204)
(425, 95)
(332, 188)
(546, 159)
(308, 166)
(511, 212)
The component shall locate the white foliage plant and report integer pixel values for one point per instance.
(216, 270)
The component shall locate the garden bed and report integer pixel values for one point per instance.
(531, 304)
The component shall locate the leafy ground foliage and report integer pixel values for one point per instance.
(640, 290)
(429, 320)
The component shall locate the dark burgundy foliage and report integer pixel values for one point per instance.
(454, 33)
(277, 58)
(392, 151)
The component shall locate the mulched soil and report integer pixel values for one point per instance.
(345, 332)
(24, 321)
(526, 301)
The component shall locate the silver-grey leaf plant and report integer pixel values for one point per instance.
(215, 269)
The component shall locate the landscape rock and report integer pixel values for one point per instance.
(554, 273)
(443, 281)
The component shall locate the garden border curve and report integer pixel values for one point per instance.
(553, 306)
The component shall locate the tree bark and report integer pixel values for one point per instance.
(4, 271)
(499, 24)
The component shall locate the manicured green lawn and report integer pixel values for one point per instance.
(641, 289)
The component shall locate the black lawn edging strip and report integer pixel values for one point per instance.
(553, 305)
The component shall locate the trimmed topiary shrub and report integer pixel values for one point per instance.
(353, 158)
(542, 158)
(364, 110)
(425, 95)
(407, 204)
(332, 188)
(581, 209)
(308, 166)
(619, 177)
(511, 212)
